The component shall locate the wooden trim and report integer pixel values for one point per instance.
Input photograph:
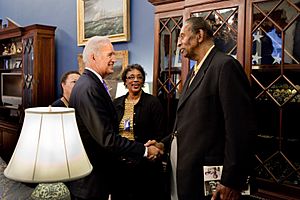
(248, 40)
(177, 6)
(200, 2)
(240, 4)
(159, 2)
(156, 55)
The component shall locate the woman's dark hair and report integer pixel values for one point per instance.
(198, 23)
(130, 68)
(65, 76)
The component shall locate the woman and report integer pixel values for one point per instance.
(67, 83)
(140, 118)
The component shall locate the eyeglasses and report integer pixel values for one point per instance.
(139, 78)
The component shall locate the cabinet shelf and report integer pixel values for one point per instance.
(271, 137)
(11, 70)
(18, 55)
(276, 67)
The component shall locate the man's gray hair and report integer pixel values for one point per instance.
(93, 46)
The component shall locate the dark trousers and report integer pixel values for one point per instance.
(144, 181)
(78, 198)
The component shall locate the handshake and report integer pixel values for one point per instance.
(155, 149)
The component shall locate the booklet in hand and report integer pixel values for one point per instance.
(212, 177)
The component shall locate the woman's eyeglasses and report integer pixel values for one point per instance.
(139, 78)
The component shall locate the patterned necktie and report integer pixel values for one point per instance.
(195, 71)
(106, 88)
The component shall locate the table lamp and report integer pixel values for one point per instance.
(49, 151)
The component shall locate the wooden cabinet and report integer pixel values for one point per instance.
(27, 72)
(8, 138)
(264, 35)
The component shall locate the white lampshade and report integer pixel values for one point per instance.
(49, 148)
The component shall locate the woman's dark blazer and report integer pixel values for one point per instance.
(148, 117)
(98, 126)
(215, 125)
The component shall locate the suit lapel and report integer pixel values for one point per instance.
(185, 86)
(188, 90)
(99, 84)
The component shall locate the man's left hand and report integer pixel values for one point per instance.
(225, 193)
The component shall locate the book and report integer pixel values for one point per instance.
(212, 177)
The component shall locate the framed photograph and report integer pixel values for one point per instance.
(103, 18)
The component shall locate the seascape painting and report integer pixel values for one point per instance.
(103, 18)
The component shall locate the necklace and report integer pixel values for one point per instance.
(133, 101)
(134, 98)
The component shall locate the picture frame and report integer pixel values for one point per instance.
(103, 18)
(113, 79)
(119, 66)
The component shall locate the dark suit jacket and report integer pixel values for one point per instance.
(58, 103)
(98, 126)
(215, 124)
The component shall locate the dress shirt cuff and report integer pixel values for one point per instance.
(146, 152)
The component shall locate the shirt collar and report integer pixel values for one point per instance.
(98, 75)
(197, 67)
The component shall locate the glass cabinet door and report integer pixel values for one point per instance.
(169, 70)
(28, 70)
(224, 23)
(275, 77)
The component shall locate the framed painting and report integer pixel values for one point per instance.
(119, 66)
(113, 79)
(103, 18)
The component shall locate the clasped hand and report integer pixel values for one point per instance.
(155, 149)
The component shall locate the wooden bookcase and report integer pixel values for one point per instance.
(264, 36)
(27, 71)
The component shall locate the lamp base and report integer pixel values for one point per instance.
(57, 191)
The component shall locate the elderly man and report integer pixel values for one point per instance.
(221, 128)
(98, 123)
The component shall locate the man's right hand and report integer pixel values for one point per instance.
(155, 149)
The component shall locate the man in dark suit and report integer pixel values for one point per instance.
(214, 122)
(98, 123)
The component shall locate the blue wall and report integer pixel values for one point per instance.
(62, 14)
